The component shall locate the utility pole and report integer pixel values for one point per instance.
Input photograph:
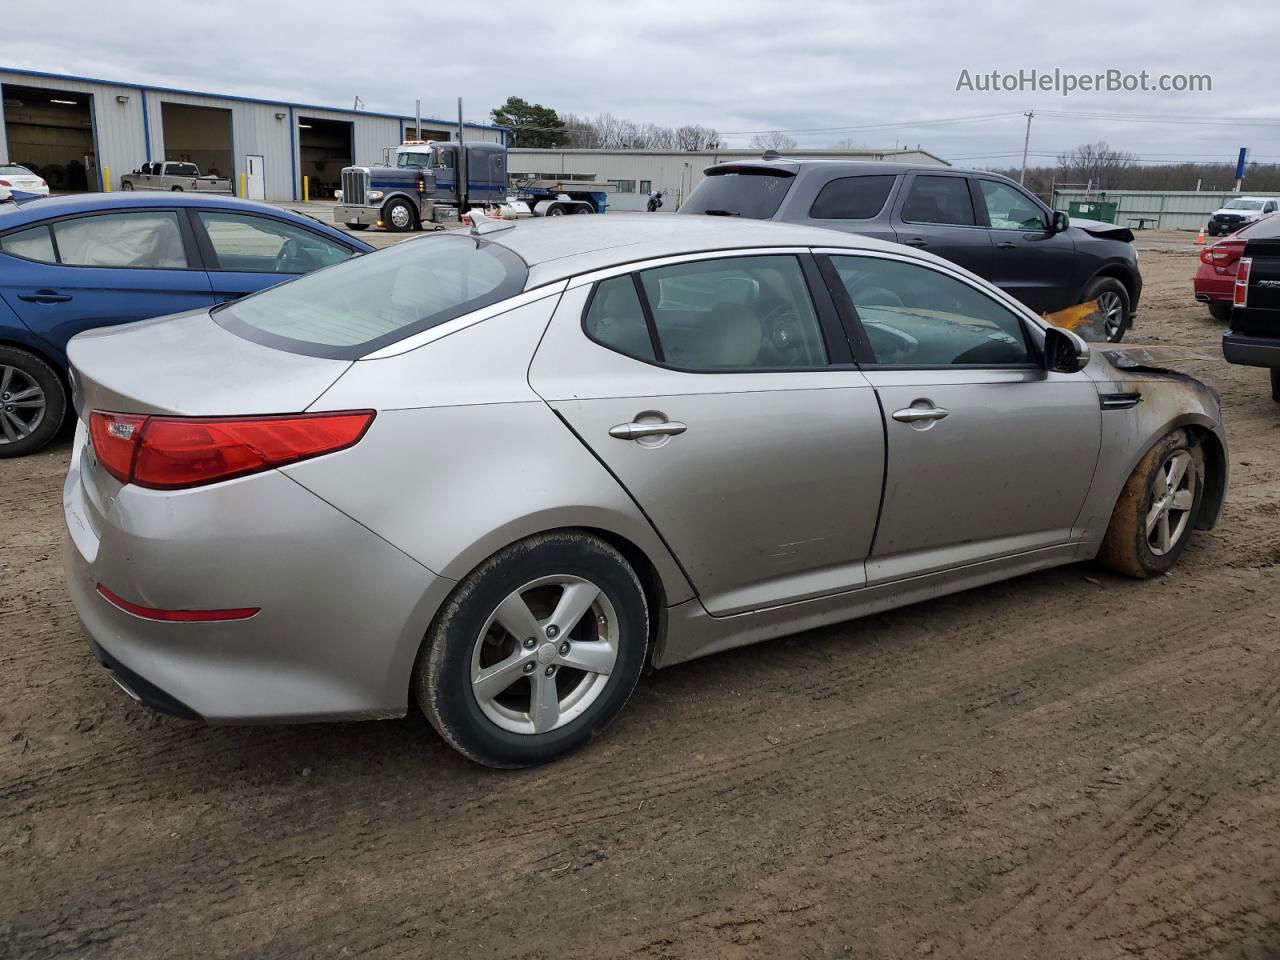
(1026, 143)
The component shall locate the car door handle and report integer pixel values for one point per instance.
(45, 296)
(635, 431)
(231, 296)
(1005, 245)
(917, 414)
(916, 242)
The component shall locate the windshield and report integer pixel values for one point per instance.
(353, 308)
(413, 159)
(747, 192)
(1241, 204)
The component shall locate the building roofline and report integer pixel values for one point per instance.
(240, 99)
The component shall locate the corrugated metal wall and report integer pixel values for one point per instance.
(1171, 209)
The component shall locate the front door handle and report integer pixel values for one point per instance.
(917, 242)
(1005, 245)
(45, 296)
(918, 414)
(635, 431)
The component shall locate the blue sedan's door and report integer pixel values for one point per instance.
(79, 273)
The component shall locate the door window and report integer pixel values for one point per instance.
(146, 239)
(34, 243)
(249, 244)
(915, 316)
(615, 319)
(1009, 209)
(939, 200)
(852, 198)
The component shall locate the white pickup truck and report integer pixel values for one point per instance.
(173, 175)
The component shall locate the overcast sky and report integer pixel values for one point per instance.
(739, 66)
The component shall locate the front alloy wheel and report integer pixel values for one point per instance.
(1173, 498)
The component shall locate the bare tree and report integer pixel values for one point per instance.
(774, 140)
(847, 144)
(1094, 163)
(608, 132)
(696, 137)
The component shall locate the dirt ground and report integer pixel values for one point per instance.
(1065, 765)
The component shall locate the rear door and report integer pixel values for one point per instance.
(1029, 260)
(248, 252)
(77, 273)
(721, 394)
(936, 212)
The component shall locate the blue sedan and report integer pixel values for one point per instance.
(69, 264)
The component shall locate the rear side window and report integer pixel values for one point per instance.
(746, 193)
(939, 200)
(364, 303)
(146, 239)
(852, 198)
(616, 320)
(35, 243)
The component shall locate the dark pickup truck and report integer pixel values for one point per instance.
(1253, 339)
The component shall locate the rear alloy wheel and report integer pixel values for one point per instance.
(1157, 509)
(32, 402)
(1113, 304)
(535, 651)
(398, 216)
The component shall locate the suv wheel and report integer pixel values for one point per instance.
(1113, 304)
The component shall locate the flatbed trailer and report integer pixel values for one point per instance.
(554, 198)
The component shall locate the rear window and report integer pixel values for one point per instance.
(753, 193)
(1268, 228)
(852, 198)
(353, 308)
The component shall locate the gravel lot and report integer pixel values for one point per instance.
(1065, 765)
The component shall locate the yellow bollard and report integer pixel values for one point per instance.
(244, 189)
(306, 189)
(106, 179)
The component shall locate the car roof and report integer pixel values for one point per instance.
(46, 208)
(560, 247)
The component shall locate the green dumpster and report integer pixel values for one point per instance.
(1104, 210)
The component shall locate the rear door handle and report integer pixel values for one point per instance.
(917, 414)
(45, 296)
(231, 296)
(917, 242)
(635, 431)
(1005, 245)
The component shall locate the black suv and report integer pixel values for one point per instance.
(984, 222)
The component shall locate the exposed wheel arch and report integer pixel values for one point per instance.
(1116, 271)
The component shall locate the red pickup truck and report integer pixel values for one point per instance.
(1216, 278)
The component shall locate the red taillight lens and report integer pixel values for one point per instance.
(5, 183)
(1240, 295)
(1222, 254)
(168, 453)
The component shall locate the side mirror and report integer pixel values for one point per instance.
(1064, 351)
(1060, 221)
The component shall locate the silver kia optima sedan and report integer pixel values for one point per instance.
(499, 472)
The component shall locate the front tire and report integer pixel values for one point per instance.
(535, 651)
(1113, 303)
(398, 216)
(32, 402)
(1157, 510)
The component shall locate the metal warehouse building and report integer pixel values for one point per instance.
(634, 173)
(82, 134)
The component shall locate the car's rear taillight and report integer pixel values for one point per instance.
(5, 183)
(1223, 253)
(1240, 295)
(170, 453)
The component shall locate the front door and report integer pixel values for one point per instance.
(255, 179)
(988, 454)
(706, 387)
(1029, 260)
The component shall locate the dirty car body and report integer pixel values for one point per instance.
(738, 413)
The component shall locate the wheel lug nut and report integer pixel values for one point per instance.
(528, 667)
(551, 671)
(564, 648)
(553, 631)
(530, 643)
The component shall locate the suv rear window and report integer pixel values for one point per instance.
(355, 307)
(852, 198)
(742, 192)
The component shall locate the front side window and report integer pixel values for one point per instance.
(739, 313)
(1008, 209)
(249, 244)
(146, 239)
(852, 198)
(915, 316)
(367, 302)
(34, 243)
(942, 200)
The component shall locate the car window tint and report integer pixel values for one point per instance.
(852, 198)
(939, 200)
(914, 315)
(144, 239)
(35, 243)
(616, 319)
(248, 244)
(748, 192)
(740, 312)
(1008, 209)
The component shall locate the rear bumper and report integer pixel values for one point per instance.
(343, 213)
(1210, 285)
(342, 611)
(1251, 351)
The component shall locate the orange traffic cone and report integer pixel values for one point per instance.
(1200, 236)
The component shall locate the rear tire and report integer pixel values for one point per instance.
(499, 625)
(1113, 301)
(32, 402)
(585, 208)
(1157, 510)
(398, 216)
(126, 185)
(555, 210)
(1220, 310)
(176, 190)
(1275, 384)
